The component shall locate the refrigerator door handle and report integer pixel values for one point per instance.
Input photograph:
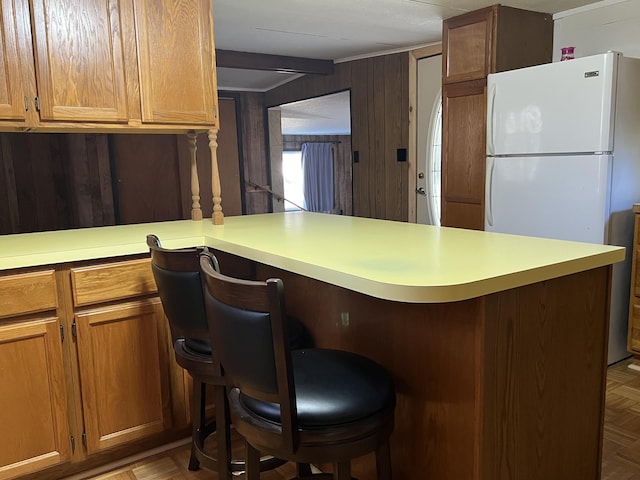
(490, 120)
(488, 190)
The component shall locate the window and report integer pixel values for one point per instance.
(293, 179)
(433, 163)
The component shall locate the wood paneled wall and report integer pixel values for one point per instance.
(63, 181)
(342, 177)
(54, 182)
(380, 127)
(255, 152)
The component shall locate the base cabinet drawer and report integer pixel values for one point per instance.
(111, 281)
(26, 293)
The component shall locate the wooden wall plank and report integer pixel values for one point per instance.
(254, 148)
(9, 208)
(55, 182)
(146, 193)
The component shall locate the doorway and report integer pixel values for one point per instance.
(325, 119)
(429, 127)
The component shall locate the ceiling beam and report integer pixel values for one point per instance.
(273, 63)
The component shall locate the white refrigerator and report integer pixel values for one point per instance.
(563, 160)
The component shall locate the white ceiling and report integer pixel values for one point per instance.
(338, 30)
(327, 115)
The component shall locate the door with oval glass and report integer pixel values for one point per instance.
(429, 125)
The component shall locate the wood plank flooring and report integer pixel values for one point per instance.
(621, 445)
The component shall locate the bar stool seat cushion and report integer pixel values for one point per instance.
(332, 388)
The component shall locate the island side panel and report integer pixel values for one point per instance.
(432, 351)
(508, 386)
(545, 359)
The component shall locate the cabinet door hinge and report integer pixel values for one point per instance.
(84, 439)
(36, 100)
(61, 333)
(73, 444)
(74, 331)
(26, 103)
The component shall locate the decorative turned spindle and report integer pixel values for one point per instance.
(217, 215)
(196, 210)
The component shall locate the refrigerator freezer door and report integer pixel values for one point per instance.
(562, 107)
(565, 198)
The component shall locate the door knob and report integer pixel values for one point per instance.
(421, 191)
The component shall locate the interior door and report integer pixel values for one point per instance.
(428, 111)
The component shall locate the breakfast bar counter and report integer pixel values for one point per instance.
(497, 343)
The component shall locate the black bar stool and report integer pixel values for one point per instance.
(310, 406)
(177, 276)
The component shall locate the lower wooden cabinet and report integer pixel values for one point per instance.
(124, 373)
(33, 405)
(87, 372)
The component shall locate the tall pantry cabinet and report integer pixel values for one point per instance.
(489, 40)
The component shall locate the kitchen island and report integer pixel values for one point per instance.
(497, 343)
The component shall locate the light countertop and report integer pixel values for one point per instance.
(390, 260)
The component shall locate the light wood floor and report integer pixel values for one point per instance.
(621, 447)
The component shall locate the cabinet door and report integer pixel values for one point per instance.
(12, 102)
(468, 46)
(176, 61)
(124, 373)
(79, 60)
(463, 154)
(33, 407)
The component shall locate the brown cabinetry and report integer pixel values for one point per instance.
(12, 90)
(79, 60)
(475, 44)
(633, 338)
(122, 354)
(176, 61)
(104, 65)
(87, 375)
(34, 423)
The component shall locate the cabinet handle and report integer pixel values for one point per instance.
(37, 102)
(26, 103)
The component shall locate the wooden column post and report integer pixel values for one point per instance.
(217, 215)
(196, 210)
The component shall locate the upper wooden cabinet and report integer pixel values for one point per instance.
(107, 64)
(79, 60)
(12, 91)
(177, 61)
(494, 39)
(473, 35)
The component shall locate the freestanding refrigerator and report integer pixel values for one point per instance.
(563, 160)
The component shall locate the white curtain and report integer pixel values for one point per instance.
(317, 170)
